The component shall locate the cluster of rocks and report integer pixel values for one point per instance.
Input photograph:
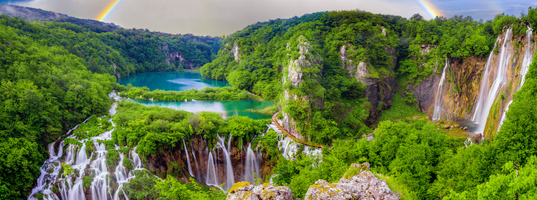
(362, 184)
(247, 191)
(451, 127)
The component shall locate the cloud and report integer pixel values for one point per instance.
(223, 17)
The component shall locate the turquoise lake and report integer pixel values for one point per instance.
(180, 81)
(170, 81)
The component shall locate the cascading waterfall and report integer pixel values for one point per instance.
(438, 107)
(230, 180)
(528, 57)
(212, 178)
(503, 116)
(195, 162)
(71, 186)
(251, 167)
(487, 95)
(188, 160)
(526, 61)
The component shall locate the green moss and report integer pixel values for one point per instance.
(400, 110)
(238, 185)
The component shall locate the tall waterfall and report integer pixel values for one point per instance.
(212, 177)
(188, 160)
(251, 167)
(528, 57)
(438, 105)
(230, 180)
(526, 61)
(487, 95)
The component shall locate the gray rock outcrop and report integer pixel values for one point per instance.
(363, 185)
(247, 191)
(294, 74)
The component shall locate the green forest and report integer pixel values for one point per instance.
(55, 74)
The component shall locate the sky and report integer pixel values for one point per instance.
(224, 17)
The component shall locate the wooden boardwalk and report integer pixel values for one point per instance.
(275, 120)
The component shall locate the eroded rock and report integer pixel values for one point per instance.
(245, 190)
(360, 184)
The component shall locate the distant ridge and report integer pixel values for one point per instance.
(35, 14)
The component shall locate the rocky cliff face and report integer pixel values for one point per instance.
(294, 75)
(174, 161)
(379, 89)
(176, 57)
(462, 87)
(463, 82)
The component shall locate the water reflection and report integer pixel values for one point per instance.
(225, 108)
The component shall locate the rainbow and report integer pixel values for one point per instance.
(430, 8)
(108, 10)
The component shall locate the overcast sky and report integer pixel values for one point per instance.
(223, 17)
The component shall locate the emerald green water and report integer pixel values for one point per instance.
(170, 81)
(226, 108)
(180, 81)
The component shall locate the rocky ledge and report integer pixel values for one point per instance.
(247, 191)
(357, 183)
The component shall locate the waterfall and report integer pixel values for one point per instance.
(230, 180)
(503, 116)
(99, 186)
(71, 186)
(212, 178)
(438, 107)
(195, 162)
(528, 57)
(526, 61)
(487, 95)
(121, 177)
(251, 167)
(188, 160)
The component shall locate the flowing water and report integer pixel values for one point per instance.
(251, 167)
(71, 185)
(526, 61)
(439, 102)
(487, 94)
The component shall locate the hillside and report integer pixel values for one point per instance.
(388, 96)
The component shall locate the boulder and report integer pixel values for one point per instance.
(245, 190)
(358, 183)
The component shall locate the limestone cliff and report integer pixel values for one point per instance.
(177, 57)
(307, 65)
(463, 81)
(174, 161)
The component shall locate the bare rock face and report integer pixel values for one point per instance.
(245, 190)
(235, 51)
(363, 185)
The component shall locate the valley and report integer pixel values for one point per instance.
(328, 105)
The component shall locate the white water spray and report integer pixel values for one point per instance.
(438, 107)
(487, 95)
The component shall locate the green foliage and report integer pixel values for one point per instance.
(19, 163)
(399, 110)
(218, 93)
(170, 188)
(111, 50)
